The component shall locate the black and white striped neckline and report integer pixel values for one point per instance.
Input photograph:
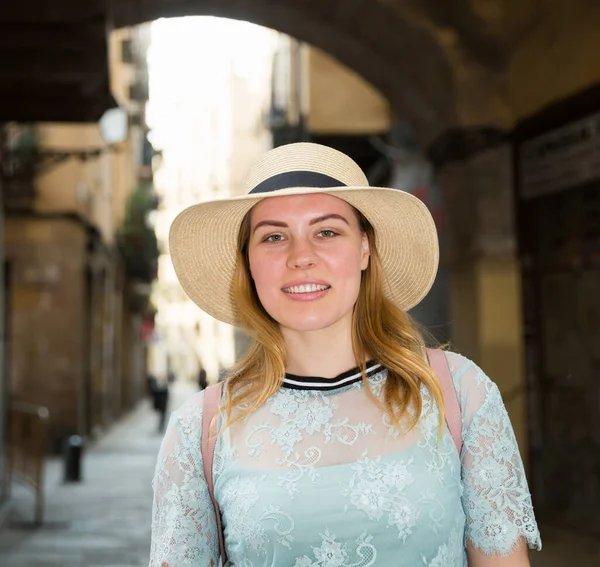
(327, 384)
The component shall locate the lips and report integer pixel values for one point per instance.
(305, 288)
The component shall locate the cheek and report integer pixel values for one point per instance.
(349, 266)
(261, 270)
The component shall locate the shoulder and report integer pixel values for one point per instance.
(466, 373)
(473, 386)
(187, 420)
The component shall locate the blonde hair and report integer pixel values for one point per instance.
(379, 330)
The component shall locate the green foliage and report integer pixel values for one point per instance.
(136, 239)
(24, 147)
(26, 141)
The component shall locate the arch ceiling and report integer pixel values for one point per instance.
(400, 58)
(54, 61)
(441, 63)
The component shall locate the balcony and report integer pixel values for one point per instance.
(20, 156)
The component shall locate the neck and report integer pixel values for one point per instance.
(325, 353)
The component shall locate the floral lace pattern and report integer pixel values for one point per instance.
(306, 473)
(332, 553)
(379, 490)
(302, 416)
(450, 553)
(184, 529)
(496, 496)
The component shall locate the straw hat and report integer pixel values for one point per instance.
(203, 238)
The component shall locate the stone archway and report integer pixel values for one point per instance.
(399, 57)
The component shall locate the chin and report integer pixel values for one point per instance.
(308, 318)
(305, 324)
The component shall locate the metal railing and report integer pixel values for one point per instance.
(27, 438)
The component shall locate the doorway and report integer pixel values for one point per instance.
(562, 317)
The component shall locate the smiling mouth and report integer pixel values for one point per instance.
(308, 288)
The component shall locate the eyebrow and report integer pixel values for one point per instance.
(314, 221)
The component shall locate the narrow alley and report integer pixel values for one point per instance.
(102, 521)
(117, 117)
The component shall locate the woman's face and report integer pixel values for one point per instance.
(306, 255)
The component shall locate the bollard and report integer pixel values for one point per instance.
(73, 453)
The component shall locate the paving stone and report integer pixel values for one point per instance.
(103, 521)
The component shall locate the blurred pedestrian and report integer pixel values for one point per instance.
(202, 380)
(170, 377)
(150, 385)
(160, 400)
(342, 439)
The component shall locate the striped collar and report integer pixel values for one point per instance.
(327, 384)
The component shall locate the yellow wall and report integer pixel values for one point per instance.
(487, 327)
(123, 178)
(501, 333)
(340, 101)
(121, 74)
(97, 188)
(123, 168)
(72, 185)
(544, 52)
(63, 185)
(558, 57)
(46, 315)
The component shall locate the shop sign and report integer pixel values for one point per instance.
(563, 158)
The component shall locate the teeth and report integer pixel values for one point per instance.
(308, 288)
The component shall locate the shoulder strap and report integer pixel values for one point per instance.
(212, 399)
(439, 363)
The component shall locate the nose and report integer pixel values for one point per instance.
(301, 255)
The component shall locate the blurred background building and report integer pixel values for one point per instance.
(488, 110)
(79, 257)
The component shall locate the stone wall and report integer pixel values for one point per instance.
(46, 261)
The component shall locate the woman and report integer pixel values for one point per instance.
(332, 448)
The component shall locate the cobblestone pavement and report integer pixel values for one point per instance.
(104, 521)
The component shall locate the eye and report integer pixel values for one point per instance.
(273, 238)
(327, 233)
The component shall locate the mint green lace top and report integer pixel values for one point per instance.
(318, 477)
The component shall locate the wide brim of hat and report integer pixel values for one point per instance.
(203, 242)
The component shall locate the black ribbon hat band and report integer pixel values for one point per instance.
(297, 179)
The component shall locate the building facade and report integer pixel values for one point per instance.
(558, 204)
(73, 310)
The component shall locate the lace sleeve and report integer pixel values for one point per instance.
(184, 530)
(496, 497)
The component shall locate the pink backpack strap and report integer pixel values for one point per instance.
(212, 400)
(439, 363)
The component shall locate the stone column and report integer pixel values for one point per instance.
(485, 280)
(4, 375)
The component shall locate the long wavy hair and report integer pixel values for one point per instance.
(379, 330)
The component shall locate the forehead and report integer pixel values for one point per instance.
(300, 206)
